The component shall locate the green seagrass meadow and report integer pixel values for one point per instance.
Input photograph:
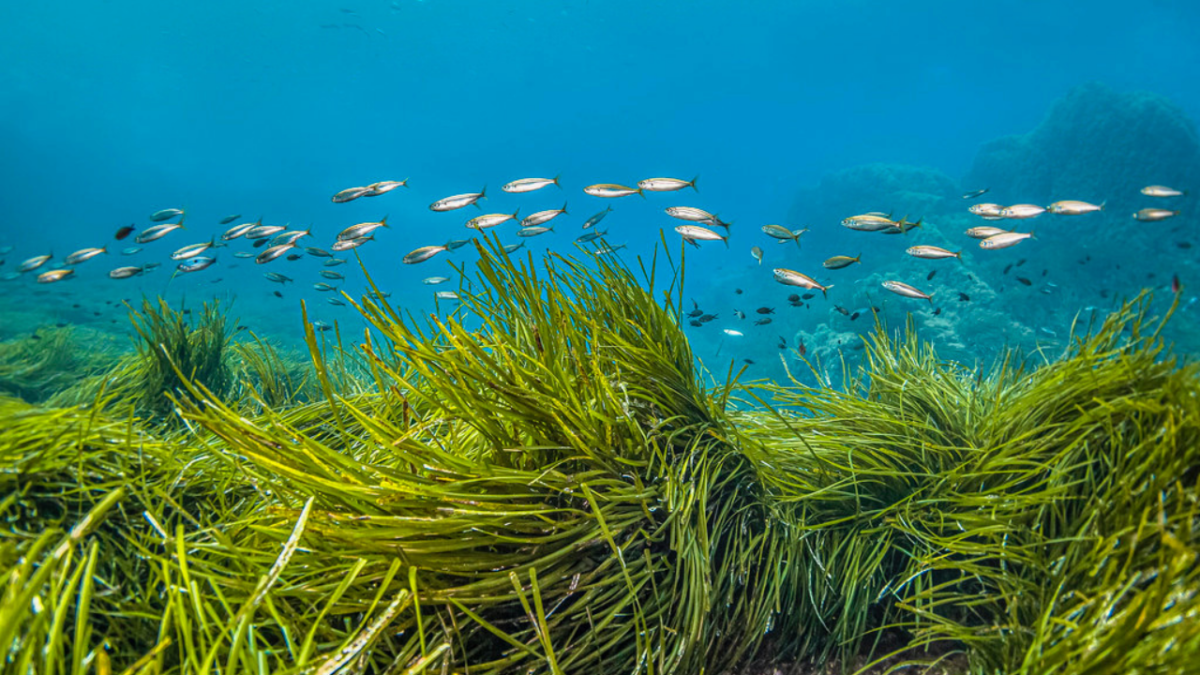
(543, 480)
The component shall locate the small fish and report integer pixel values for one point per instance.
(541, 217)
(193, 250)
(693, 233)
(932, 252)
(666, 184)
(530, 184)
(239, 230)
(607, 250)
(132, 250)
(125, 272)
(321, 326)
(334, 262)
(433, 281)
(1007, 268)
(1161, 191)
(705, 318)
(983, 232)
(694, 215)
(259, 243)
(165, 214)
(324, 287)
(533, 231)
(33, 263)
(53, 276)
(837, 262)
(756, 253)
(379, 295)
(491, 220)
(290, 237)
(339, 246)
(694, 322)
(594, 220)
(1071, 207)
(196, 264)
(294, 256)
(793, 278)
(1152, 215)
(737, 291)
(783, 234)
(335, 302)
(869, 222)
(509, 248)
(732, 332)
(1020, 262)
(975, 193)
(361, 230)
(611, 190)
(841, 310)
(929, 277)
(244, 254)
(330, 274)
(1025, 281)
(317, 252)
(260, 231)
(763, 321)
(349, 195)
(808, 296)
(455, 244)
(124, 232)
(854, 316)
(157, 232)
(590, 236)
(229, 219)
(1004, 240)
(383, 187)
(458, 201)
(801, 348)
(765, 310)
(446, 295)
(900, 288)
(83, 255)
(739, 314)
(1021, 211)
(987, 210)
(277, 294)
(273, 253)
(963, 297)
(422, 254)
(782, 343)
(937, 311)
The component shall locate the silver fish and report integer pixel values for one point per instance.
(666, 184)
(290, 237)
(455, 244)
(590, 236)
(782, 233)
(239, 230)
(349, 194)
(542, 217)
(165, 214)
(34, 263)
(756, 253)
(837, 262)
(611, 190)
(446, 295)
(422, 254)
(869, 222)
(986, 209)
(53, 276)
(606, 250)
(458, 201)
(695, 232)
(595, 220)
(793, 278)
(533, 231)
(348, 244)
(383, 187)
(131, 250)
(490, 220)
(1071, 207)
(157, 232)
(361, 230)
(900, 288)
(694, 215)
(1004, 240)
(244, 254)
(83, 255)
(125, 272)
(324, 287)
(318, 252)
(196, 264)
(1152, 215)
(192, 250)
(509, 248)
(1161, 191)
(273, 253)
(530, 184)
(732, 332)
(433, 281)
(335, 302)
(932, 252)
(321, 326)
(983, 232)
(263, 231)
(1021, 211)
(229, 219)
(277, 277)
(330, 274)
(334, 262)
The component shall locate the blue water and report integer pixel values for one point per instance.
(110, 111)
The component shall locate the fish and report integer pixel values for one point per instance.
(1007, 268)
(239, 230)
(446, 295)
(739, 314)
(900, 288)
(259, 243)
(693, 322)
(1020, 262)
(533, 231)
(765, 310)
(530, 184)
(841, 310)
(244, 254)
(273, 253)
(902, 226)
(733, 333)
(782, 343)
(855, 315)
(763, 321)
(1175, 285)
(229, 219)
(868, 222)
(334, 262)
(783, 234)
(1025, 281)
(458, 201)
(1152, 215)
(509, 248)
(932, 252)
(455, 244)
(705, 318)
(83, 255)
(1021, 211)
(196, 264)
(165, 214)
(277, 294)
(321, 326)
(131, 250)
(383, 187)
(317, 252)
(793, 278)
(260, 231)
(693, 233)
(277, 277)
(34, 263)
(986, 209)
(837, 262)
(1072, 207)
(1004, 240)
(666, 184)
(590, 236)
(541, 217)
(695, 215)
(606, 250)
(361, 229)
(422, 254)
(53, 276)
(611, 190)
(491, 220)
(801, 348)
(193, 250)
(124, 232)
(339, 246)
(324, 287)
(433, 281)
(1161, 191)
(808, 296)
(975, 193)
(330, 274)
(335, 302)
(290, 237)
(294, 256)
(594, 220)
(984, 231)
(756, 253)
(125, 272)
(929, 277)
(157, 232)
(349, 195)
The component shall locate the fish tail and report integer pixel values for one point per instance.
(564, 209)
(726, 240)
(555, 181)
(1102, 204)
(641, 192)
(692, 182)
(383, 222)
(825, 291)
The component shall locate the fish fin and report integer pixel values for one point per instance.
(516, 212)
(555, 181)
(726, 240)
(692, 182)
(858, 258)
(1031, 235)
(564, 209)
(1102, 204)
(384, 221)
(640, 192)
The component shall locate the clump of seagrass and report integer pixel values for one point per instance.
(36, 367)
(1039, 520)
(173, 349)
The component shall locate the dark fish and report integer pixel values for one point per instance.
(765, 310)
(802, 349)
(260, 242)
(318, 252)
(278, 294)
(763, 322)
(1020, 262)
(929, 277)
(125, 232)
(1007, 268)
(708, 317)
(748, 362)
(975, 193)
(808, 296)
(1025, 281)
(695, 323)
(937, 311)
(782, 343)
(794, 298)
(963, 297)
(695, 312)
(842, 310)
(738, 291)
(854, 316)
(295, 256)
(229, 219)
